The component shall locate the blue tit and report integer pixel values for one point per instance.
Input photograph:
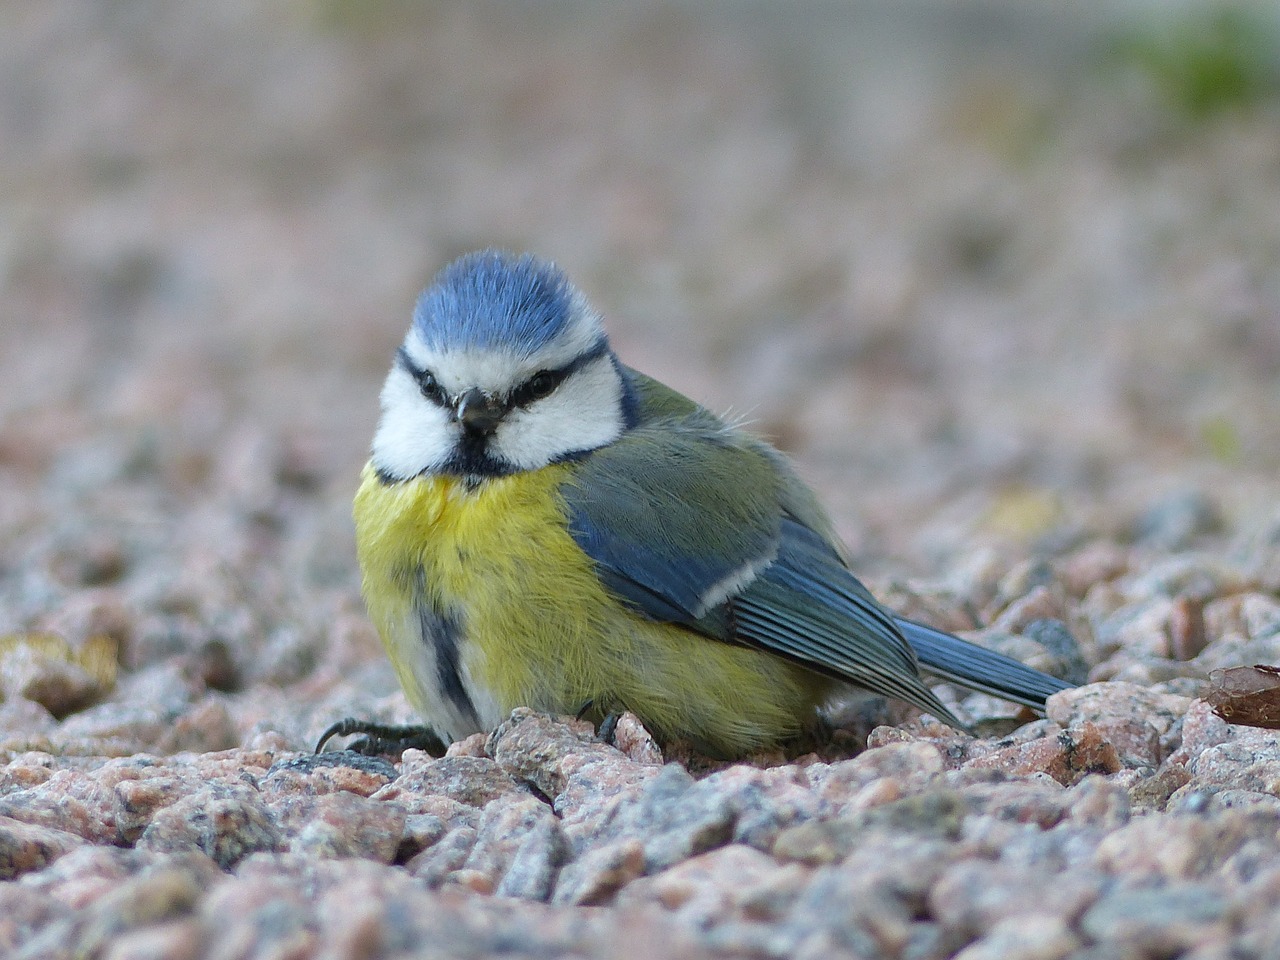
(540, 525)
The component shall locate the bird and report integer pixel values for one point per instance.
(540, 525)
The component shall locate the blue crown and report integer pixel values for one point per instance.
(493, 299)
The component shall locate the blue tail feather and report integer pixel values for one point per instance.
(978, 668)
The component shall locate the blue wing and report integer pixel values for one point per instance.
(766, 573)
(640, 507)
(757, 575)
(808, 607)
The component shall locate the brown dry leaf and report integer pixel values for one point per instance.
(1249, 696)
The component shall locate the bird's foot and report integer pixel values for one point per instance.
(383, 738)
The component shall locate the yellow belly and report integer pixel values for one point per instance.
(536, 628)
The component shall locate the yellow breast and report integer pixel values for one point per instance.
(498, 560)
(536, 626)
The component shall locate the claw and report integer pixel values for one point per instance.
(379, 738)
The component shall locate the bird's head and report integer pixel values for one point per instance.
(505, 368)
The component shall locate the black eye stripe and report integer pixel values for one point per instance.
(545, 382)
(427, 381)
(541, 384)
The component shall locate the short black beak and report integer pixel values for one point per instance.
(478, 412)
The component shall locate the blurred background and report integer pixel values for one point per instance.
(999, 275)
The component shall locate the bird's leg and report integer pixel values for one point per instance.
(608, 728)
(608, 725)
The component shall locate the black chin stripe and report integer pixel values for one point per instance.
(471, 458)
(472, 466)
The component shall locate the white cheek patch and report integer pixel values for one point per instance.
(583, 413)
(414, 435)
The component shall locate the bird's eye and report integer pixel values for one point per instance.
(431, 388)
(541, 384)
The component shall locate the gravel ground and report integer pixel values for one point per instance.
(1005, 286)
